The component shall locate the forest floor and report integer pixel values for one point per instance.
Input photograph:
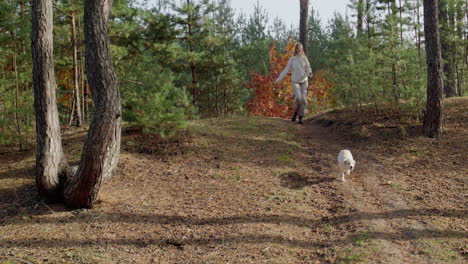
(257, 190)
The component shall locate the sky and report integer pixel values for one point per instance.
(288, 10)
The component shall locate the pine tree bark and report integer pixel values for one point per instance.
(419, 77)
(18, 126)
(303, 23)
(433, 120)
(418, 36)
(76, 86)
(448, 59)
(392, 11)
(55, 179)
(194, 88)
(461, 46)
(50, 161)
(83, 82)
(102, 146)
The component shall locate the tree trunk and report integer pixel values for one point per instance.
(369, 21)
(303, 22)
(76, 86)
(452, 74)
(81, 77)
(192, 63)
(218, 114)
(18, 126)
(396, 85)
(446, 47)
(15, 69)
(417, 34)
(401, 21)
(86, 95)
(102, 146)
(50, 161)
(360, 14)
(460, 46)
(55, 179)
(72, 110)
(433, 120)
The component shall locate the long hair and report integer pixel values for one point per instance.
(299, 50)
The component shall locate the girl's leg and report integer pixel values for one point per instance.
(297, 95)
(303, 98)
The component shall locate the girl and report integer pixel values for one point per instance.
(299, 66)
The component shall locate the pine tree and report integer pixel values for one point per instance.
(255, 42)
(317, 41)
(150, 97)
(433, 120)
(15, 90)
(446, 18)
(303, 24)
(191, 17)
(461, 63)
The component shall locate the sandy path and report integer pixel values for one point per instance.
(383, 212)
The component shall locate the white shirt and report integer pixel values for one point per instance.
(299, 67)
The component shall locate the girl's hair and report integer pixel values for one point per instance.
(300, 51)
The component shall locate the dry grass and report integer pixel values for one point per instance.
(423, 177)
(256, 190)
(223, 194)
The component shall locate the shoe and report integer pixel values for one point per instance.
(300, 120)
(293, 118)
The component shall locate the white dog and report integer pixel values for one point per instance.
(346, 163)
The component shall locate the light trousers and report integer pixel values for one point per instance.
(300, 97)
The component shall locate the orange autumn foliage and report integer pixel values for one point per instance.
(275, 100)
(320, 89)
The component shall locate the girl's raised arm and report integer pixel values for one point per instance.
(308, 69)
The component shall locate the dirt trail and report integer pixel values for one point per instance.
(362, 191)
(396, 228)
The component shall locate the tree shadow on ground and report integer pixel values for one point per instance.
(227, 239)
(295, 181)
(26, 195)
(23, 173)
(14, 198)
(137, 142)
(96, 216)
(19, 197)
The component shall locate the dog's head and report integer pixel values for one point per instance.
(350, 164)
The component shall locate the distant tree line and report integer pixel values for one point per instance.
(190, 59)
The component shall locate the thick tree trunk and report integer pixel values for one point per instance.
(303, 23)
(433, 120)
(50, 161)
(102, 146)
